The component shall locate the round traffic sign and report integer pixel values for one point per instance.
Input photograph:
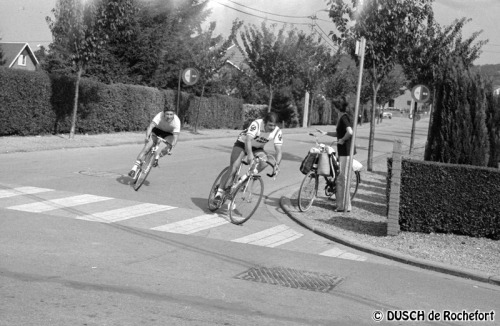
(421, 93)
(190, 76)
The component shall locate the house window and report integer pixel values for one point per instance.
(21, 60)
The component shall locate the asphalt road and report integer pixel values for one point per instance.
(78, 246)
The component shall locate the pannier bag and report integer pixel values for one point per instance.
(308, 162)
(324, 164)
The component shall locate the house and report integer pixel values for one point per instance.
(403, 103)
(235, 57)
(18, 55)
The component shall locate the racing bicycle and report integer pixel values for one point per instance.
(245, 193)
(308, 191)
(147, 163)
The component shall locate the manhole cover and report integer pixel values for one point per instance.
(291, 278)
(102, 174)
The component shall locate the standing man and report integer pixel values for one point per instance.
(343, 133)
(166, 125)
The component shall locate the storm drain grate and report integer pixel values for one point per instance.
(291, 278)
(102, 174)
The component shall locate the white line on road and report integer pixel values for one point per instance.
(193, 225)
(22, 191)
(339, 253)
(272, 237)
(54, 204)
(125, 213)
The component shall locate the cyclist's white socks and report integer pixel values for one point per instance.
(136, 165)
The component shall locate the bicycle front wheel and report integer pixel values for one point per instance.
(308, 190)
(144, 170)
(245, 200)
(212, 204)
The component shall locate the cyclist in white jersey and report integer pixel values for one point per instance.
(166, 125)
(251, 142)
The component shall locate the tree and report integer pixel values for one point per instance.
(314, 64)
(208, 55)
(268, 55)
(424, 60)
(79, 32)
(459, 133)
(388, 26)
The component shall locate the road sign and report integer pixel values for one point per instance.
(421, 93)
(190, 76)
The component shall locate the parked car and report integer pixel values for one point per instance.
(387, 115)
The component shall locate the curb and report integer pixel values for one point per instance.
(386, 253)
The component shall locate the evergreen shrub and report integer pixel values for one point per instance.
(25, 103)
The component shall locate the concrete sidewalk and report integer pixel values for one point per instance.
(310, 221)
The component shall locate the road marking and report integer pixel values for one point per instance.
(22, 191)
(54, 204)
(125, 213)
(339, 253)
(272, 237)
(193, 225)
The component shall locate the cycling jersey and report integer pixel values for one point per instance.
(259, 136)
(173, 126)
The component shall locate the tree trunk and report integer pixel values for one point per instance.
(310, 110)
(270, 98)
(198, 110)
(75, 103)
(427, 152)
(371, 140)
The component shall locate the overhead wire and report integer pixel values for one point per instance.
(265, 18)
(313, 26)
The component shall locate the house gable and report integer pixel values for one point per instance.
(18, 55)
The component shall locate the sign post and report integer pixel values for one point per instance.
(190, 77)
(420, 94)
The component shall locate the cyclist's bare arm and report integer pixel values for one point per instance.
(248, 148)
(149, 131)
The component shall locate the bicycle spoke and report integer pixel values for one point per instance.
(246, 200)
(212, 204)
(307, 191)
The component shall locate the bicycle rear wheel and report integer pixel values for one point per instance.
(355, 180)
(246, 200)
(212, 204)
(308, 190)
(144, 170)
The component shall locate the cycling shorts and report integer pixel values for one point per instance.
(255, 150)
(161, 133)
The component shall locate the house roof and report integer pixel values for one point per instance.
(235, 56)
(12, 50)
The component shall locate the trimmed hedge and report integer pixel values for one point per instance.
(33, 103)
(449, 198)
(25, 103)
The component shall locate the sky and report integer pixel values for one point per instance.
(24, 20)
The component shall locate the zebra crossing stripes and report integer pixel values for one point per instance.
(339, 253)
(49, 205)
(152, 216)
(125, 213)
(272, 237)
(193, 225)
(5, 193)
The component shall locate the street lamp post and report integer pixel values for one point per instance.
(361, 53)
